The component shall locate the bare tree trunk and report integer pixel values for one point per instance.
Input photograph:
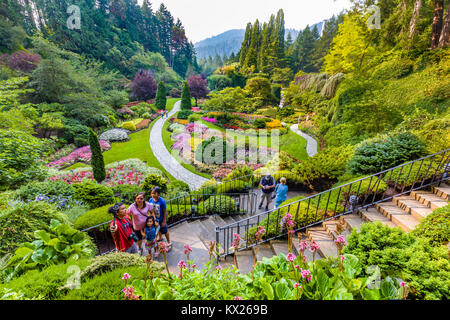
(414, 18)
(444, 40)
(437, 23)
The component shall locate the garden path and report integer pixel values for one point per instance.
(166, 159)
(311, 147)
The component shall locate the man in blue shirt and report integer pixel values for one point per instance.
(267, 185)
(159, 206)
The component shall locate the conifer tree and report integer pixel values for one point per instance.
(97, 162)
(161, 100)
(185, 97)
(245, 44)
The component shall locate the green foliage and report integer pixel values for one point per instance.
(425, 269)
(194, 117)
(117, 99)
(153, 180)
(185, 97)
(160, 99)
(220, 204)
(184, 114)
(435, 227)
(177, 188)
(324, 168)
(20, 154)
(234, 186)
(219, 82)
(412, 173)
(126, 192)
(97, 162)
(17, 225)
(93, 194)
(53, 245)
(49, 188)
(378, 154)
(142, 108)
(393, 69)
(240, 171)
(48, 283)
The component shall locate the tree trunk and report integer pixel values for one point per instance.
(437, 23)
(444, 40)
(414, 18)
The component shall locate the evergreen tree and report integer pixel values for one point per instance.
(185, 97)
(251, 59)
(245, 44)
(161, 99)
(97, 162)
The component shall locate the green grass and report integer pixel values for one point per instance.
(294, 145)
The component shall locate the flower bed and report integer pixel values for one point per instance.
(143, 124)
(131, 171)
(82, 154)
(65, 151)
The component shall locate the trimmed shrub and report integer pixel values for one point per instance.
(222, 205)
(378, 154)
(435, 227)
(177, 188)
(412, 173)
(194, 117)
(93, 194)
(184, 114)
(126, 192)
(113, 260)
(153, 180)
(93, 217)
(129, 126)
(161, 100)
(185, 97)
(97, 162)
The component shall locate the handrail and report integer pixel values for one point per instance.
(355, 204)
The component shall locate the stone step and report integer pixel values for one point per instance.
(413, 207)
(229, 220)
(245, 261)
(203, 233)
(264, 251)
(352, 221)
(443, 191)
(280, 246)
(227, 263)
(180, 235)
(373, 215)
(399, 216)
(327, 246)
(332, 228)
(218, 220)
(428, 198)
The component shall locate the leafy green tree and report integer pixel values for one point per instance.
(97, 162)
(185, 97)
(161, 99)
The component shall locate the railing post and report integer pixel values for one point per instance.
(217, 243)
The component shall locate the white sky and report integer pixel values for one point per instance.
(206, 18)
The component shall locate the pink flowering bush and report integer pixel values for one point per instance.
(82, 154)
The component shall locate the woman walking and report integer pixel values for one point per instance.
(281, 190)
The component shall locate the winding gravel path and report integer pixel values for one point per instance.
(166, 159)
(311, 146)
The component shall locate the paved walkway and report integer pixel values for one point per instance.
(166, 159)
(311, 146)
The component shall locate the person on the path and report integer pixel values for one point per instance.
(160, 209)
(121, 229)
(140, 210)
(267, 185)
(150, 232)
(281, 190)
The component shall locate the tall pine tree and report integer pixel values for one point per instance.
(185, 97)
(97, 162)
(161, 99)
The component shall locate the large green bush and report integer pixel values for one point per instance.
(425, 268)
(93, 217)
(220, 204)
(17, 225)
(93, 194)
(46, 284)
(435, 227)
(127, 192)
(378, 154)
(412, 173)
(184, 114)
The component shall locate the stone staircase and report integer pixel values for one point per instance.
(404, 211)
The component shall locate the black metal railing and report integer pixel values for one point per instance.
(343, 199)
(185, 207)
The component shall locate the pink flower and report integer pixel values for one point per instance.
(403, 284)
(342, 258)
(305, 274)
(297, 285)
(182, 264)
(297, 267)
(218, 268)
(290, 257)
(126, 276)
(237, 298)
(303, 245)
(313, 246)
(194, 265)
(340, 240)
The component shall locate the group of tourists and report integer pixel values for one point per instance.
(142, 223)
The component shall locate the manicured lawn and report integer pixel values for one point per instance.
(294, 145)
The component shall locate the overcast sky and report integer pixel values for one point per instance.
(206, 18)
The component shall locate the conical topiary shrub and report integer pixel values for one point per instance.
(97, 162)
(185, 97)
(161, 100)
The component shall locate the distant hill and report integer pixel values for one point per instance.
(230, 41)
